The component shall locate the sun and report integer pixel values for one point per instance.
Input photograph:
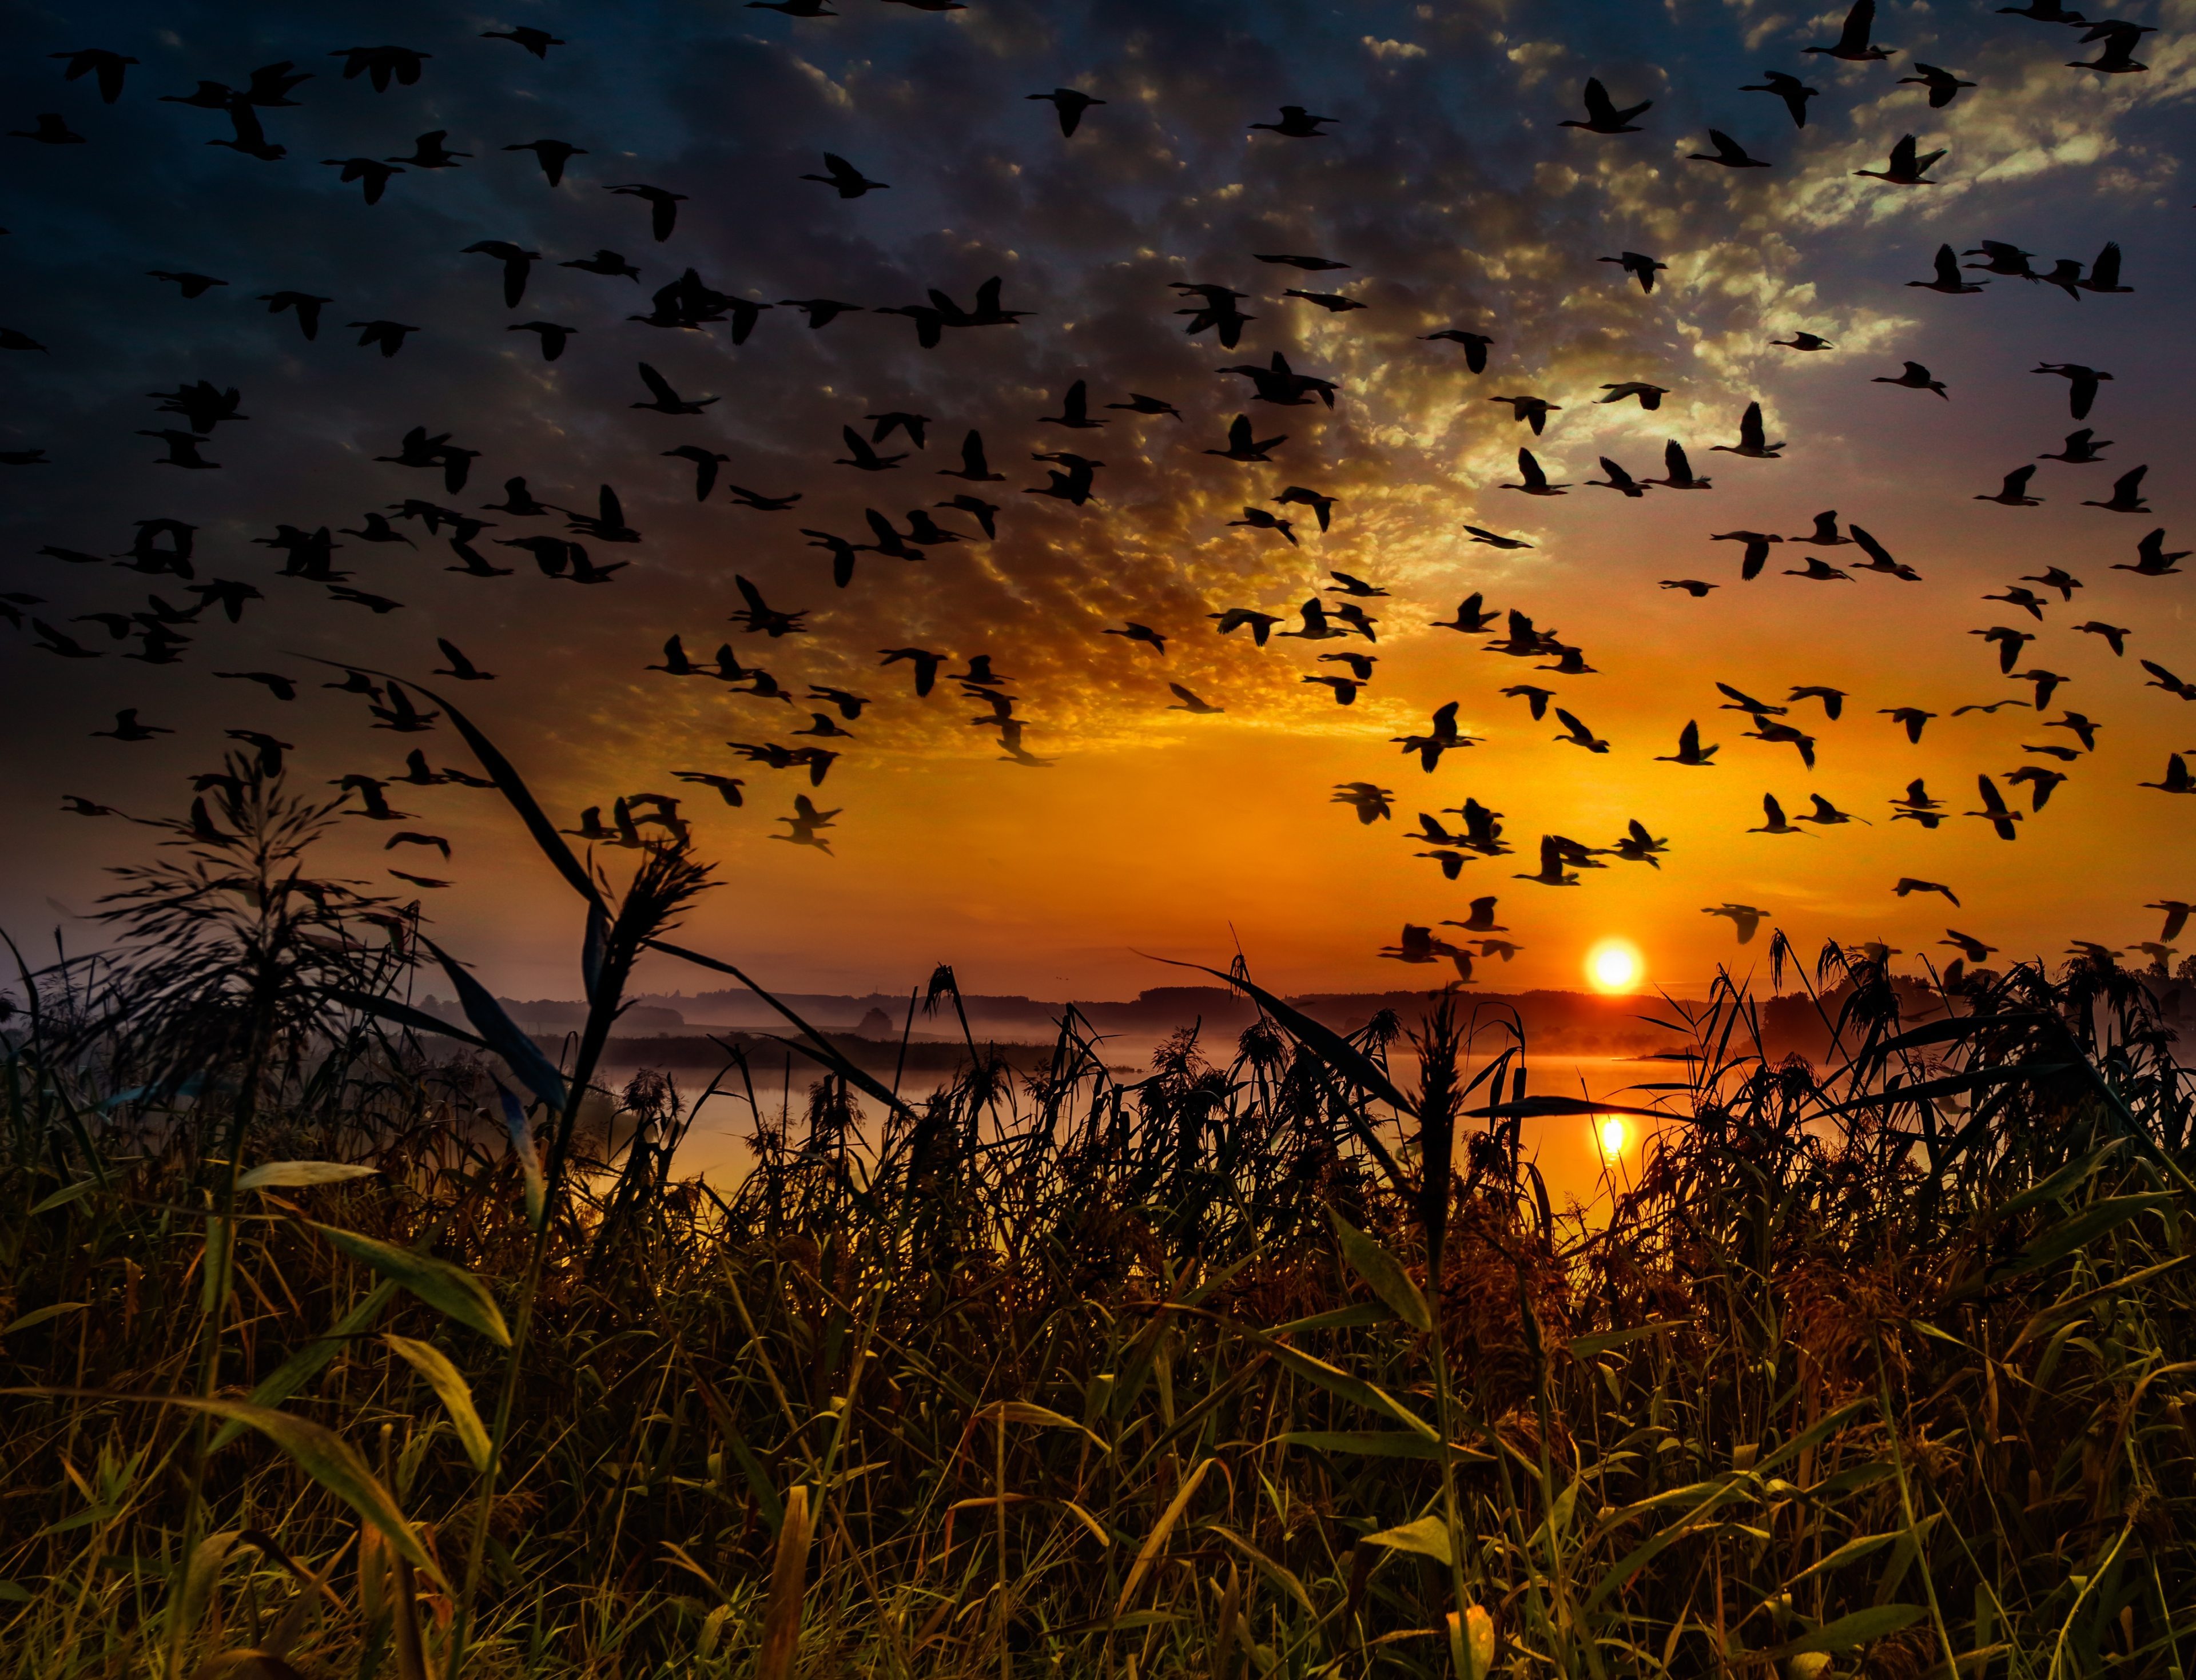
(1614, 965)
(1611, 1132)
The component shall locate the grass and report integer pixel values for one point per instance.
(340, 1347)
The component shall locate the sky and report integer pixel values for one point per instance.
(1447, 185)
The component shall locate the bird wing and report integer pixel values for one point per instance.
(658, 386)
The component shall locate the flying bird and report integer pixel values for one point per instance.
(1907, 885)
(1297, 124)
(1907, 167)
(1944, 86)
(1745, 918)
(1641, 266)
(1728, 152)
(849, 181)
(1069, 105)
(1852, 45)
(1602, 115)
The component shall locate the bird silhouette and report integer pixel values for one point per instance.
(1069, 105)
(604, 262)
(2080, 449)
(1907, 885)
(1551, 872)
(2175, 779)
(129, 728)
(1772, 819)
(1258, 519)
(535, 41)
(1142, 634)
(1826, 814)
(665, 400)
(1852, 45)
(2116, 56)
(1995, 812)
(2151, 561)
(1944, 86)
(190, 284)
(371, 171)
(1907, 167)
(2127, 493)
(1576, 734)
(1969, 947)
(1744, 918)
(849, 181)
(1242, 446)
(428, 151)
(1618, 480)
(1535, 481)
(973, 467)
(926, 664)
(662, 206)
(2105, 272)
(1915, 376)
(1297, 124)
(1751, 438)
(861, 456)
(1689, 751)
(1642, 266)
(1475, 345)
(385, 336)
(50, 129)
(106, 69)
(1237, 618)
(381, 66)
(1790, 90)
(1728, 152)
(1947, 276)
(2081, 385)
(2013, 493)
(1373, 804)
(2160, 678)
(517, 264)
(1602, 115)
(1188, 701)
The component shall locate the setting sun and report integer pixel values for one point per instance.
(1612, 1134)
(1614, 965)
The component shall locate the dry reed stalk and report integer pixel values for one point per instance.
(788, 1578)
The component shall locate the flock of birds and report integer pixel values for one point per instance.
(567, 543)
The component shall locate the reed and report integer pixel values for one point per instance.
(339, 1344)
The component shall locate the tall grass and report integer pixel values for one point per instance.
(341, 1345)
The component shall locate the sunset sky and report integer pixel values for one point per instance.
(1448, 187)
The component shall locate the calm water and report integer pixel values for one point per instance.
(1577, 1156)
